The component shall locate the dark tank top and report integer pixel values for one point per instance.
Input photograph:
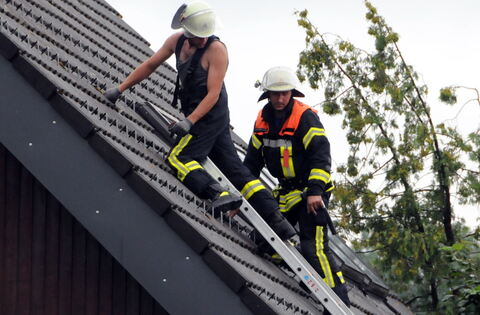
(193, 83)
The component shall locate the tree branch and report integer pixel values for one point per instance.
(442, 172)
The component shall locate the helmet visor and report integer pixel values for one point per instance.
(176, 21)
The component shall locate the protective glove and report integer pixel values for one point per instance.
(181, 128)
(112, 94)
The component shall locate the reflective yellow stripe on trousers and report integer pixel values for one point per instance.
(182, 169)
(251, 187)
(322, 258)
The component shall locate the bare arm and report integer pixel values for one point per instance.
(152, 63)
(217, 59)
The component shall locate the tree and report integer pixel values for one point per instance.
(397, 188)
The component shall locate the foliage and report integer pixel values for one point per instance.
(447, 95)
(462, 284)
(397, 187)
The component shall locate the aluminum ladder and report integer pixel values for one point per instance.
(287, 251)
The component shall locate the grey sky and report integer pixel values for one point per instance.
(440, 38)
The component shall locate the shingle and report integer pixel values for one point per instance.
(111, 19)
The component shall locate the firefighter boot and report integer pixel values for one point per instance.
(223, 199)
(263, 247)
(280, 225)
(342, 292)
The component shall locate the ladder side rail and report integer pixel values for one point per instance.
(289, 253)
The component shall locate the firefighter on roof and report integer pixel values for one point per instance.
(201, 61)
(290, 140)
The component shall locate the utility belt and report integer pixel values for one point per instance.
(292, 184)
(289, 193)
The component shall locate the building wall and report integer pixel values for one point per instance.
(50, 264)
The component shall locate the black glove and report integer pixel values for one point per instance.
(181, 128)
(112, 94)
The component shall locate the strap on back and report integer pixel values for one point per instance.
(179, 46)
(191, 68)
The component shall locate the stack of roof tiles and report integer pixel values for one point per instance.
(70, 51)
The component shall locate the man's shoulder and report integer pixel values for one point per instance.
(216, 51)
(171, 41)
(309, 111)
(217, 46)
(309, 116)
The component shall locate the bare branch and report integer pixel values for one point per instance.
(370, 251)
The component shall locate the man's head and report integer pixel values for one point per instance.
(279, 86)
(197, 19)
(279, 100)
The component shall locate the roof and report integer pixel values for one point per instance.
(86, 150)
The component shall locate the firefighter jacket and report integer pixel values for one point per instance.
(293, 147)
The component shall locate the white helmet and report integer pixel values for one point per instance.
(197, 18)
(280, 79)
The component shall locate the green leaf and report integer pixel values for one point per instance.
(303, 14)
(447, 95)
(380, 43)
(458, 246)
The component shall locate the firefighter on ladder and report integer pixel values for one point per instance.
(290, 140)
(201, 61)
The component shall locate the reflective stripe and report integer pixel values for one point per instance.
(319, 174)
(251, 187)
(314, 131)
(277, 143)
(322, 258)
(256, 142)
(340, 277)
(193, 165)
(288, 201)
(182, 169)
(287, 161)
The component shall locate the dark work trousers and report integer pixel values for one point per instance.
(314, 244)
(212, 138)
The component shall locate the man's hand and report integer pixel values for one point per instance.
(112, 94)
(314, 203)
(233, 213)
(181, 128)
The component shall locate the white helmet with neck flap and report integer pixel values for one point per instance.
(197, 19)
(280, 79)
